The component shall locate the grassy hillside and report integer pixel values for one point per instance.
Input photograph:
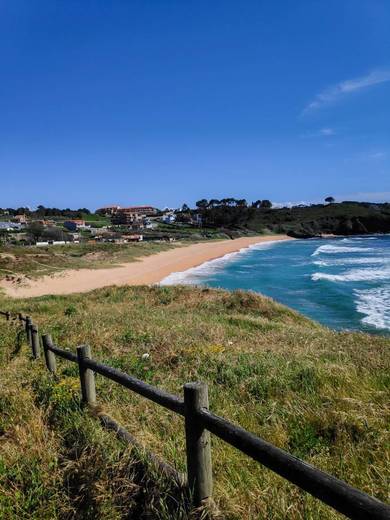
(319, 394)
(341, 219)
(18, 262)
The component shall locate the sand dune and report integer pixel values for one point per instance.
(148, 270)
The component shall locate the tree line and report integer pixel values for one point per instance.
(226, 212)
(42, 212)
(231, 203)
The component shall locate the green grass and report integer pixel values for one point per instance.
(39, 261)
(94, 217)
(319, 394)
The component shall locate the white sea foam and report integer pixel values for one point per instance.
(364, 238)
(355, 275)
(195, 275)
(330, 249)
(352, 239)
(351, 261)
(375, 304)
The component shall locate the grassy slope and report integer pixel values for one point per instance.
(38, 261)
(315, 219)
(321, 395)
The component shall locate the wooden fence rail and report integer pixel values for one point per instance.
(200, 422)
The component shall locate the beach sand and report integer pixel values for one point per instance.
(147, 271)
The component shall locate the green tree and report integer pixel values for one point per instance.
(202, 204)
(35, 230)
(330, 200)
(54, 233)
(266, 204)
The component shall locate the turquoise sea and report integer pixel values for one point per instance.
(343, 282)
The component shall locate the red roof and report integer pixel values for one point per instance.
(139, 207)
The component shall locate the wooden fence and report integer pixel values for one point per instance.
(199, 423)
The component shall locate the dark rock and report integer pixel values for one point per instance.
(302, 234)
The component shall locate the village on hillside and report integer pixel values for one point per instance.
(225, 218)
(115, 224)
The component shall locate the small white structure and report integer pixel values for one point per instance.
(52, 243)
(169, 218)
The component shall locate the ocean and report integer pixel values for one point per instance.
(343, 283)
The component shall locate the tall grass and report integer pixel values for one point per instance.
(319, 394)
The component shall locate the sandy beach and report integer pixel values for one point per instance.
(148, 270)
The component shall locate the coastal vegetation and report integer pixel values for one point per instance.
(321, 395)
(43, 212)
(345, 218)
(19, 263)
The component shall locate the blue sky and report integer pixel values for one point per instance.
(164, 102)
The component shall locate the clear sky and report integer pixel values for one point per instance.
(167, 101)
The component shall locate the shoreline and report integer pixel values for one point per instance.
(147, 270)
(176, 278)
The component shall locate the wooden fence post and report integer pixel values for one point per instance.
(87, 376)
(28, 329)
(35, 346)
(198, 444)
(50, 357)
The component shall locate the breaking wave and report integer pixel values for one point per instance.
(375, 304)
(355, 275)
(351, 261)
(197, 275)
(344, 283)
(330, 249)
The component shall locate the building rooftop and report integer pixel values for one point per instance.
(137, 207)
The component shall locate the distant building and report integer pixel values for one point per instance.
(52, 243)
(46, 223)
(133, 238)
(169, 218)
(148, 211)
(9, 226)
(20, 219)
(150, 223)
(132, 215)
(74, 225)
(98, 231)
(124, 217)
(108, 210)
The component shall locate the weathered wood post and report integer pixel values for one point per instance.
(198, 444)
(35, 346)
(28, 329)
(7, 315)
(50, 357)
(87, 376)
